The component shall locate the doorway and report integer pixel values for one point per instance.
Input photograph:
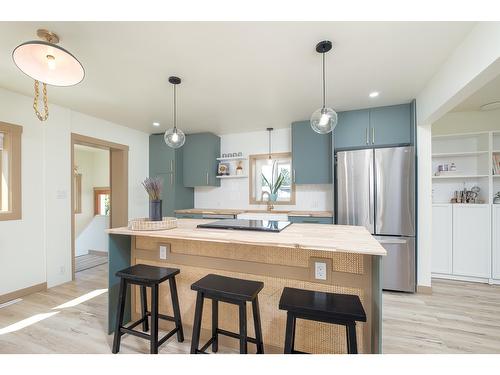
(99, 195)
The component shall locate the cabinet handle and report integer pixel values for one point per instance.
(171, 165)
(293, 175)
(207, 178)
(366, 136)
(171, 179)
(373, 136)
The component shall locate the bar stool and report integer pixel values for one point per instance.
(230, 290)
(147, 276)
(343, 309)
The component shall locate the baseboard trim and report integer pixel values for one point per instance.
(98, 252)
(422, 289)
(23, 292)
(470, 279)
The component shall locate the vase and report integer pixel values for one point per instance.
(155, 210)
(273, 197)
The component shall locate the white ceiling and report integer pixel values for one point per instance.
(487, 94)
(237, 76)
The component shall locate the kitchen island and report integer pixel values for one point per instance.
(286, 259)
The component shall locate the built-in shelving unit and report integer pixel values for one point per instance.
(233, 162)
(235, 158)
(233, 176)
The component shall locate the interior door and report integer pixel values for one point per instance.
(355, 188)
(395, 191)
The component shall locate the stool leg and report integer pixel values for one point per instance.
(257, 325)
(215, 325)
(352, 346)
(154, 320)
(243, 328)
(195, 340)
(290, 333)
(122, 294)
(177, 311)
(144, 309)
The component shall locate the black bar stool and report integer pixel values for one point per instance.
(229, 290)
(147, 276)
(343, 309)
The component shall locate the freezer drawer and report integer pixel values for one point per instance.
(398, 266)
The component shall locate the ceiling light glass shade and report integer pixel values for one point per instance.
(324, 120)
(48, 63)
(174, 138)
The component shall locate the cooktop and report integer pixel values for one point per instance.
(244, 224)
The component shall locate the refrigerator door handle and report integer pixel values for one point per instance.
(367, 137)
(371, 198)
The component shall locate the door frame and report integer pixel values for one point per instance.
(118, 178)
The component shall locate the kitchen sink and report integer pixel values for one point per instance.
(263, 216)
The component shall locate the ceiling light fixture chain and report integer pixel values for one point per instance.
(45, 116)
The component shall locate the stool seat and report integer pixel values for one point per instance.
(228, 288)
(144, 274)
(342, 306)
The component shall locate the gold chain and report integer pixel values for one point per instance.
(45, 102)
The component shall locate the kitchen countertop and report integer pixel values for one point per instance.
(236, 212)
(323, 237)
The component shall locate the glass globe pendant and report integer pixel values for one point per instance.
(174, 137)
(324, 120)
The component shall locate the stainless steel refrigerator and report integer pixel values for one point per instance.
(375, 188)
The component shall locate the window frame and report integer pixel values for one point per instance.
(97, 203)
(251, 178)
(13, 134)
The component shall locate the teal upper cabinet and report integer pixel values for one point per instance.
(390, 125)
(381, 126)
(311, 155)
(353, 129)
(200, 154)
(167, 163)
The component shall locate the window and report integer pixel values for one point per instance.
(10, 171)
(271, 179)
(101, 201)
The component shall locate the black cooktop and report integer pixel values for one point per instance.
(244, 224)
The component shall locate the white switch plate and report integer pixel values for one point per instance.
(320, 270)
(163, 252)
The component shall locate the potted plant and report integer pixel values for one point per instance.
(154, 187)
(274, 186)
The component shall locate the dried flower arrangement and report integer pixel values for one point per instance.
(154, 187)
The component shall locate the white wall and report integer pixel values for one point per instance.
(38, 247)
(233, 193)
(467, 122)
(93, 236)
(93, 165)
(471, 65)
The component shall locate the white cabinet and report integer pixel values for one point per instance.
(495, 214)
(472, 240)
(442, 238)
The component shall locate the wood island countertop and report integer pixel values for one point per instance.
(323, 237)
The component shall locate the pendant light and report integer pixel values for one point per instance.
(269, 157)
(174, 137)
(324, 120)
(48, 63)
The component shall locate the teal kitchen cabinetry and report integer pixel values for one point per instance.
(311, 155)
(353, 129)
(200, 153)
(374, 127)
(310, 219)
(167, 164)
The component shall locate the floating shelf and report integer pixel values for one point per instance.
(461, 176)
(459, 154)
(232, 176)
(233, 158)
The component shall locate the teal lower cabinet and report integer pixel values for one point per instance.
(189, 216)
(310, 219)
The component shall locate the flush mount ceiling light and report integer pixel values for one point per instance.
(48, 63)
(156, 124)
(324, 120)
(491, 106)
(374, 94)
(174, 137)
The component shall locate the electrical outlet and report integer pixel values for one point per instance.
(320, 270)
(62, 270)
(163, 252)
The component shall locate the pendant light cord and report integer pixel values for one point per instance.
(324, 86)
(269, 144)
(175, 111)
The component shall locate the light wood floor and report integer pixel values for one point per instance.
(457, 318)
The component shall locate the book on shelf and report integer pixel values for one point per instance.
(496, 164)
